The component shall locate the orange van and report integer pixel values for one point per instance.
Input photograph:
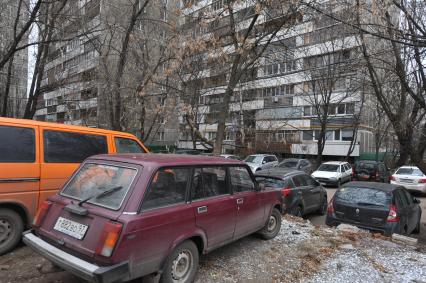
(36, 158)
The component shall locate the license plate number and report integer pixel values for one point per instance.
(71, 228)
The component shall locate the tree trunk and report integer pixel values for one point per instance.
(7, 88)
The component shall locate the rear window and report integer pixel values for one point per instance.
(409, 171)
(289, 164)
(271, 182)
(17, 145)
(92, 180)
(66, 147)
(363, 196)
(366, 166)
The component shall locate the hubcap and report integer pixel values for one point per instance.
(5, 230)
(181, 266)
(272, 223)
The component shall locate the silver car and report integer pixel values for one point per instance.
(411, 178)
(261, 161)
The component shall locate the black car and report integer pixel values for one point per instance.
(369, 170)
(296, 164)
(377, 207)
(301, 193)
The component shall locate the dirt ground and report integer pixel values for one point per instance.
(302, 252)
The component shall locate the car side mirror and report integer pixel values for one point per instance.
(260, 187)
(416, 200)
(263, 162)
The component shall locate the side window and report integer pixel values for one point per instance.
(241, 180)
(290, 183)
(168, 187)
(124, 145)
(66, 147)
(309, 180)
(209, 182)
(17, 145)
(341, 168)
(299, 181)
(403, 198)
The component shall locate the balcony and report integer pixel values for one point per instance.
(331, 148)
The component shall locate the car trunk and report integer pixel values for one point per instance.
(363, 215)
(366, 172)
(66, 228)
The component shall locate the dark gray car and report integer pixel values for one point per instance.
(377, 207)
(297, 164)
(301, 193)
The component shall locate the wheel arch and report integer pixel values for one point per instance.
(18, 208)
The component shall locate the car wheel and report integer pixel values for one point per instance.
(297, 211)
(11, 228)
(323, 208)
(339, 183)
(182, 264)
(417, 229)
(273, 226)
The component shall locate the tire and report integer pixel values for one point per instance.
(297, 211)
(339, 183)
(417, 229)
(11, 228)
(323, 208)
(273, 226)
(182, 264)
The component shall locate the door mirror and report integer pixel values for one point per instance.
(264, 162)
(416, 200)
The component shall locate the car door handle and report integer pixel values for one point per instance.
(202, 209)
(240, 201)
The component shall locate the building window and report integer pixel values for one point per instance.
(350, 108)
(347, 135)
(307, 111)
(160, 136)
(337, 135)
(308, 135)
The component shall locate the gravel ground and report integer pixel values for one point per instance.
(301, 252)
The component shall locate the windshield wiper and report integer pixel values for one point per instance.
(102, 194)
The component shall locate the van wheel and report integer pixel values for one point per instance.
(11, 228)
(182, 264)
(273, 226)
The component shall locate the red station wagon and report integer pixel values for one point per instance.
(121, 217)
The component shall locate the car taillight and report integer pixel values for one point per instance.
(353, 172)
(422, 181)
(392, 178)
(109, 238)
(377, 176)
(330, 207)
(41, 213)
(285, 192)
(393, 214)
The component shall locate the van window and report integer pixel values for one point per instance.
(65, 147)
(241, 180)
(209, 182)
(167, 187)
(124, 145)
(17, 145)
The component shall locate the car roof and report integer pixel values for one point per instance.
(373, 185)
(278, 172)
(17, 122)
(261, 155)
(409, 167)
(293, 159)
(335, 162)
(160, 160)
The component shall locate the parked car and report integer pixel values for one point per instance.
(411, 178)
(333, 173)
(123, 217)
(261, 161)
(36, 158)
(301, 193)
(230, 156)
(378, 207)
(297, 164)
(370, 170)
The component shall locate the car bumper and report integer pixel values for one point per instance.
(327, 182)
(388, 229)
(412, 187)
(75, 265)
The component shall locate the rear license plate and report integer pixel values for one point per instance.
(71, 228)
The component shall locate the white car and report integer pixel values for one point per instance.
(333, 173)
(261, 161)
(411, 178)
(230, 156)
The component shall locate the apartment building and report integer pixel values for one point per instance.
(17, 89)
(80, 72)
(310, 68)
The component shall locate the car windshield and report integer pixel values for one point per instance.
(329, 168)
(254, 159)
(365, 166)
(271, 182)
(289, 164)
(94, 179)
(363, 196)
(409, 171)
